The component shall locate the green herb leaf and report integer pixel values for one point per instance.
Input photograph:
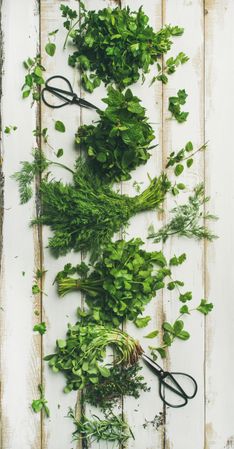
(205, 307)
(50, 48)
(59, 152)
(41, 328)
(59, 126)
(175, 104)
(152, 334)
(40, 404)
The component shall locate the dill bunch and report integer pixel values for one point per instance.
(80, 357)
(85, 215)
(187, 219)
(111, 428)
(120, 284)
(123, 381)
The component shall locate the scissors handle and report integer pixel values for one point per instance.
(67, 96)
(168, 381)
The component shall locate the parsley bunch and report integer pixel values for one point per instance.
(122, 381)
(81, 356)
(86, 214)
(115, 45)
(121, 282)
(120, 141)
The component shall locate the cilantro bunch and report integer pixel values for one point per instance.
(81, 356)
(120, 141)
(121, 282)
(115, 45)
(85, 215)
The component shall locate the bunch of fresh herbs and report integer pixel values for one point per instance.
(81, 355)
(120, 284)
(116, 45)
(120, 141)
(85, 215)
(122, 381)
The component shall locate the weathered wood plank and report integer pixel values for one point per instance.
(186, 356)
(219, 34)
(149, 404)
(20, 348)
(57, 431)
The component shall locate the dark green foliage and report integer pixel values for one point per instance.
(81, 356)
(120, 140)
(86, 214)
(120, 284)
(110, 428)
(115, 45)
(188, 219)
(123, 381)
(175, 104)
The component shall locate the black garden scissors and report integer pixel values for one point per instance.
(67, 97)
(170, 385)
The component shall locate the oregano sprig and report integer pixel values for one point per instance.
(175, 104)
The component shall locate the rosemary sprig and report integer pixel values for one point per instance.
(111, 428)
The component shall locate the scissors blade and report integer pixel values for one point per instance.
(152, 363)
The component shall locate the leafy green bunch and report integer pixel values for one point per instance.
(120, 284)
(115, 45)
(81, 355)
(85, 215)
(111, 428)
(187, 219)
(120, 140)
(122, 381)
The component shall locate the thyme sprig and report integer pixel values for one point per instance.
(123, 381)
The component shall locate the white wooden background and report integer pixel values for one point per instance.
(208, 421)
